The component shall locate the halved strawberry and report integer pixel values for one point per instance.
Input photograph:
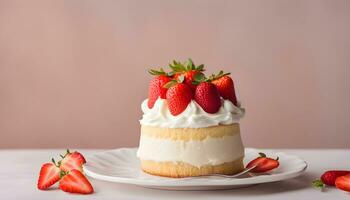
(75, 182)
(225, 86)
(207, 96)
(156, 89)
(71, 161)
(49, 175)
(178, 97)
(263, 164)
(343, 183)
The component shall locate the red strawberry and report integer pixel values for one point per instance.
(226, 88)
(156, 89)
(178, 98)
(72, 161)
(189, 70)
(189, 77)
(263, 164)
(329, 177)
(76, 182)
(49, 175)
(207, 96)
(343, 183)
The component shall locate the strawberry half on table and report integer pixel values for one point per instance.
(343, 182)
(75, 182)
(72, 161)
(49, 175)
(263, 164)
(68, 172)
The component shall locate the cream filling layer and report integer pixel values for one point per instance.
(210, 151)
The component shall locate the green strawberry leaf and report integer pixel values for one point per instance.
(199, 78)
(318, 184)
(217, 76)
(170, 84)
(157, 72)
(172, 73)
(200, 67)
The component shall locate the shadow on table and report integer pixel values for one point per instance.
(299, 183)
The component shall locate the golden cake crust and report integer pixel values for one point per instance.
(180, 169)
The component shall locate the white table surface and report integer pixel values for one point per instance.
(19, 172)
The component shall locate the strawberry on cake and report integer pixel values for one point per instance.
(190, 123)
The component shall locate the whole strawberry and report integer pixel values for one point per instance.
(189, 78)
(188, 70)
(207, 96)
(226, 88)
(329, 177)
(178, 97)
(156, 89)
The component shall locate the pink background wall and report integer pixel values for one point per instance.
(73, 73)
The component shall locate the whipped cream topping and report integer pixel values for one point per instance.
(210, 151)
(192, 117)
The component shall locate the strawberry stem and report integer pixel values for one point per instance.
(262, 155)
(54, 162)
(63, 173)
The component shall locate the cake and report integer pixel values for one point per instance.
(190, 124)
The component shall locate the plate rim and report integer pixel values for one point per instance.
(181, 182)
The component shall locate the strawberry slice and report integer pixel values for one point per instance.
(343, 183)
(75, 182)
(72, 161)
(263, 164)
(49, 175)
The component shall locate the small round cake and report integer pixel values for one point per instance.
(192, 134)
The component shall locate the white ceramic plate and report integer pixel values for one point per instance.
(122, 166)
